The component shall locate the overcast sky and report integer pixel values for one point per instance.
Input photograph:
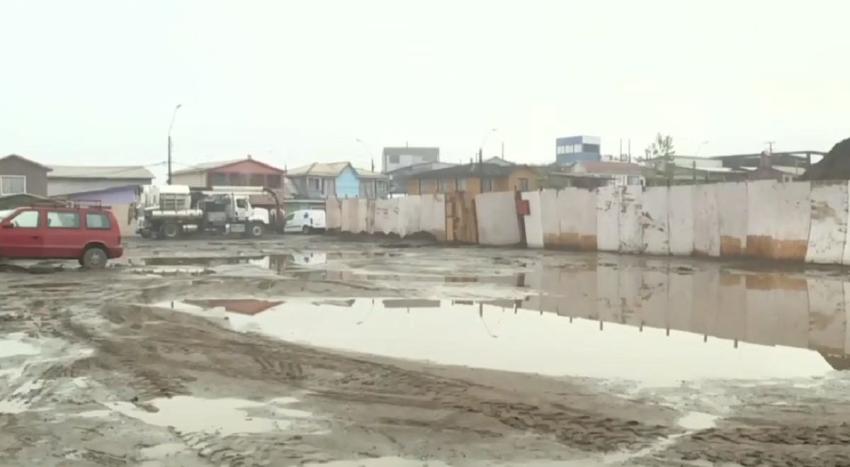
(95, 82)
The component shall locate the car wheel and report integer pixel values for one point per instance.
(94, 258)
(256, 230)
(170, 231)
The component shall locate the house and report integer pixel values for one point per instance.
(373, 185)
(240, 172)
(395, 158)
(477, 177)
(398, 177)
(20, 175)
(338, 179)
(690, 169)
(114, 186)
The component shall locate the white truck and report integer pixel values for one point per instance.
(173, 210)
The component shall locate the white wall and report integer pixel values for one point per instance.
(706, 225)
(433, 215)
(732, 218)
(793, 221)
(333, 214)
(576, 209)
(351, 215)
(681, 220)
(608, 218)
(630, 229)
(550, 219)
(497, 221)
(409, 215)
(534, 220)
(828, 232)
(386, 216)
(654, 221)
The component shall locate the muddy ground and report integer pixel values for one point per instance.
(196, 353)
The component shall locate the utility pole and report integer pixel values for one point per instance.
(173, 116)
(770, 146)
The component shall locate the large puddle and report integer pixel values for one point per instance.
(655, 321)
(491, 336)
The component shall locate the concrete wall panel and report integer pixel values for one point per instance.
(534, 220)
(497, 221)
(629, 220)
(333, 214)
(351, 215)
(433, 215)
(681, 220)
(828, 232)
(706, 223)
(608, 218)
(551, 221)
(409, 218)
(576, 210)
(384, 219)
(732, 218)
(656, 229)
(793, 221)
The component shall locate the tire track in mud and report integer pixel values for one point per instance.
(791, 445)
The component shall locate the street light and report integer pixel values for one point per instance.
(173, 116)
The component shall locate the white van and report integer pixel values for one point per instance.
(305, 220)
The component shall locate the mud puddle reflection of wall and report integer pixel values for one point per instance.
(504, 338)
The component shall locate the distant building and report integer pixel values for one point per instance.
(476, 178)
(19, 175)
(572, 149)
(399, 177)
(338, 180)
(239, 172)
(395, 158)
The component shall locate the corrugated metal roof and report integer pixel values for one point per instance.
(109, 172)
(363, 173)
(318, 169)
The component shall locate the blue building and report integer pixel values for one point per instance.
(571, 149)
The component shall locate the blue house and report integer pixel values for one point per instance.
(339, 180)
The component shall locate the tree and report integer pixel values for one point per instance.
(661, 147)
(662, 150)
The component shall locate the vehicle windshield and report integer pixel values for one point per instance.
(5, 213)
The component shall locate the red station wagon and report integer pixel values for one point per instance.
(88, 234)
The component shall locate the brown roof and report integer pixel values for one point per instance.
(207, 166)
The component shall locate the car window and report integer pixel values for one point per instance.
(63, 220)
(306, 215)
(241, 203)
(5, 213)
(289, 217)
(98, 221)
(26, 220)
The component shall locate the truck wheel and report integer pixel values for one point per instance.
(306, 229)
(256, 230)
(146, 234)
(94, 258)
(170, 231)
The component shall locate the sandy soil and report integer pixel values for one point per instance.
(102, 369)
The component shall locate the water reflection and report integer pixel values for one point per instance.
(505, 338)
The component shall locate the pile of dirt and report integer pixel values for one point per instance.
(834, 166)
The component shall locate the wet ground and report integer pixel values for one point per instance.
(311, 350)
